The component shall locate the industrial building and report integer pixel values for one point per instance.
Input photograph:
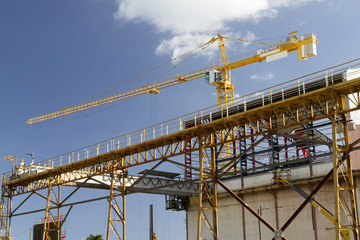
(278, 164)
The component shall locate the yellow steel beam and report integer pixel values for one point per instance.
(276, 116)
(288, 46)
(149, 88)
(207, 176)
(343, 178)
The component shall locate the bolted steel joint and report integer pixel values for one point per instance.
(278, 234)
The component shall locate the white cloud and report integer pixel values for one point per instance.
(184, 16)
(200, 19)
(181, 44)
(250, 36)
(264, 76)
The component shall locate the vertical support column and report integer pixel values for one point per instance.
(52, 225)
(151, 223)
(310, 133)
(200, 194)
(336, 178)
(187, 159)
(344, 191)
(207, 189)
(213, 173)
(58, 225)
(5, 211)
(123, 193)
(253, 149)
(349, 178)
(274, 146)
(243, 159)
(111, 197)
(109, 223)
(119, 210)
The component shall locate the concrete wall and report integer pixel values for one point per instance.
(355, 155)
(276, 206)
(309, 224)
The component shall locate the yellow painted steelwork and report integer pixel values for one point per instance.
(13, 160)
(276, 116)
(342, 170)
(306, 107)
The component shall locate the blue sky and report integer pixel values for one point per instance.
(67, 51)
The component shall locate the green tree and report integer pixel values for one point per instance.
(92, 237)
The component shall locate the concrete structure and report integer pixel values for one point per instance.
(276, 203)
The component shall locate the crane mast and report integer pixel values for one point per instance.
(218, 75)
(225, 88)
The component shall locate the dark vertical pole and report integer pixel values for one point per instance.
(310, 147)
(260, 213)
(276, 209)
(286, 149)
(187, 226)
(151, 222)
(313, 215)
(356, 196)
(243, 212)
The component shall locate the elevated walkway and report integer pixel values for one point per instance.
(291, 104)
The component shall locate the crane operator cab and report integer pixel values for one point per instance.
(213, 76)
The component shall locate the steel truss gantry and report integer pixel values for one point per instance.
(260, 123)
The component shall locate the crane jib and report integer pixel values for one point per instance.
(305, 45)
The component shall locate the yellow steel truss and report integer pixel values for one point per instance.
(5, 212)
(114, 206)
(51, 222)
(323, 103)
(208, 189)
(344, 190)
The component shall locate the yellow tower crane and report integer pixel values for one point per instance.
(217, 75)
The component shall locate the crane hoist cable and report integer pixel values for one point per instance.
(76, 106)
(197, 49)
(249, 41)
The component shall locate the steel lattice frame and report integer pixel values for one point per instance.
(118, 209)
(325, 103)
(342, 171)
